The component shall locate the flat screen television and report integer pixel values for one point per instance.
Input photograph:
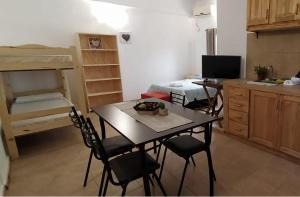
(221, 67)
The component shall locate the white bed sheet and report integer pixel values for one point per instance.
(18, 108)
(190, 90)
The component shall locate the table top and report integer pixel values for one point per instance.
(211, 84)
(140, 134)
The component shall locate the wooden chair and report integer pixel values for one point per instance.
(127, 167)
(114, 146)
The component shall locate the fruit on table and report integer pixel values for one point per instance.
(280, 81)
(147, 106)
(142, 106)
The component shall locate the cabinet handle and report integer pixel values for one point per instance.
(297, 9)
(267, 14)
(279, 105)
(237, 94)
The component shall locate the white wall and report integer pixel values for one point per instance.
(182, 7)
(232, 34)
(4, 165)
(162, 41)
(201, 24)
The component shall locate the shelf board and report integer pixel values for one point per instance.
(101, 50)
(103, 93)
(102, 79)
(99, 65)
(96, 35)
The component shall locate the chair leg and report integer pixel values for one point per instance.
(214, 176)
(158, 152)
(88, 169)
(102, 180)
(106, 185)
(124, 190)
(154, 144)
(159, 184)
(193, 161)
(150, 180)
(157, 155)
(163, 163)
(211, 173)
(182, 178)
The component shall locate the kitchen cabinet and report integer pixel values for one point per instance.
(285, 11)
(289, 139)
(266, 15)
(258, 12)
(267, 115)
(264, 116)
(238, 107)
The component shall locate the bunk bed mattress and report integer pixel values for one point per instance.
(18, 108)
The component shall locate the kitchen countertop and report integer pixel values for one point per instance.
(279, 89)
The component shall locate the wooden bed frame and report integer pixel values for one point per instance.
(7, 96)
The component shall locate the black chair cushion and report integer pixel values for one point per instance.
(116, 145)
(185, 145)
(129, 167)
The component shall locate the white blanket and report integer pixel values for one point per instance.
(183, 87)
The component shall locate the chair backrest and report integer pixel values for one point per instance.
(177, 98)
(78, 122)
(97, 147)
(95, 141)
(75, 118)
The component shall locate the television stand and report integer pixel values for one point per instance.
(212, 101)
(215, 81)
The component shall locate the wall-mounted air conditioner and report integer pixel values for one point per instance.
(202, 10)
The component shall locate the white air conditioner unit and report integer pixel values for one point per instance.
(202, 10)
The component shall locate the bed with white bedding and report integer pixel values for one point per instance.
(183, 87)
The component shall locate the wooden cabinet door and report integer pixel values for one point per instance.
(289, 139)
(285, 10)
(264, 118)
(258, 12)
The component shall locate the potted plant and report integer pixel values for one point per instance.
(162, 109)
(262, 72)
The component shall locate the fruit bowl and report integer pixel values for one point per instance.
(147, 108)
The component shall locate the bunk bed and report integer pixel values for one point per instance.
(33, 111)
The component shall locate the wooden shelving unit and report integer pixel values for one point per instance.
(101, 70)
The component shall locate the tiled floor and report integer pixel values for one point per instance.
(53, 163)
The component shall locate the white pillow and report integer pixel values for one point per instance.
(38, 97)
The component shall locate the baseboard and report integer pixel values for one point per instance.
(6, 169)
(2, 188)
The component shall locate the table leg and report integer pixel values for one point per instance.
(220, 109)
(145, 176)
(102, 126)
(210, 100)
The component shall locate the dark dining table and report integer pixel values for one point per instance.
(139, 134)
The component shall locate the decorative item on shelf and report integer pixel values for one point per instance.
(125, 37)
(162, 109)
(147, 108)
(95, 43)
(262, 72)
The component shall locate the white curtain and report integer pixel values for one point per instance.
(211, 41)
